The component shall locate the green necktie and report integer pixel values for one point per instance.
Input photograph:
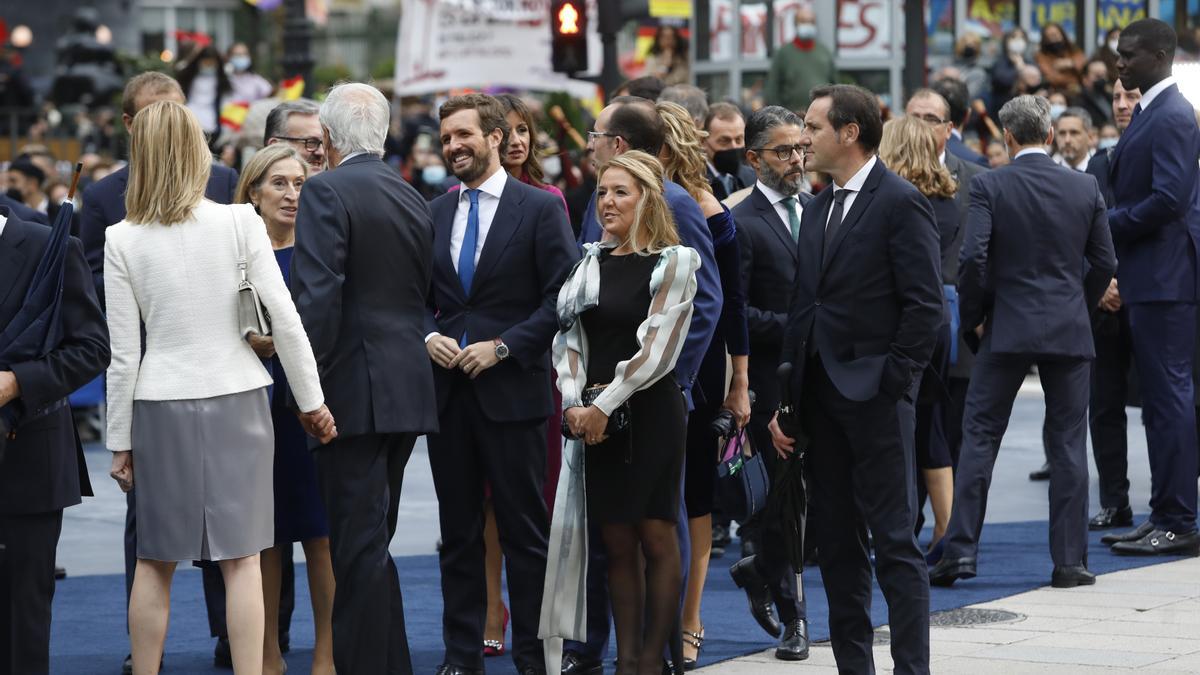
(793, 220)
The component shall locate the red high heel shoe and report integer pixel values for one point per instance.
(496, 647)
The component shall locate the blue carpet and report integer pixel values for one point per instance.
(89, 612)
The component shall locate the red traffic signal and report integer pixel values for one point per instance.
(568, 23)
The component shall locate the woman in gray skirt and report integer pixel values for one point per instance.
(191, 412)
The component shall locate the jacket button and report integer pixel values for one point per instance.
(818, 302)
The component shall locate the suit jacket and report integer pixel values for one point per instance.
(1155, 215)
(360, 276)
(956, 147)
(1023, 260)
(104, 205)
(513, 296)
(873, 306)
(43, 468)
(23, 212)
(745, 178)
(1098, 167)
(768, 275)
(962, 171)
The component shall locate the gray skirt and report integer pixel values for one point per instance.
(203, 472)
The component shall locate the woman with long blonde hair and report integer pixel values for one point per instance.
(192, 410)
(683, 159)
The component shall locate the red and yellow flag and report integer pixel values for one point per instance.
(233, 115)
(291, 88)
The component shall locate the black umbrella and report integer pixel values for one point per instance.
(787, 503)
(37, 327)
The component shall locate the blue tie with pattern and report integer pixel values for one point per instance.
(466, 255)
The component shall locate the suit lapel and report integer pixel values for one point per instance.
(771, 217)
(12, 254)
(861, 201)
(1136, 126)
(505, 223)
(443, 225)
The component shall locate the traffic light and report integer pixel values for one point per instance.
(568, 20)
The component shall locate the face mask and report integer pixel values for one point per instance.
(240, 63)
(433, 174)
(1112, 46)
(552, 166)
(969, 53)
(1100, 86)
(1056, 46)
(1057, 109)
(14, 194)
(728, 161)
(806, 31)
(1106, 143)
(208, 70)
(1016, 46)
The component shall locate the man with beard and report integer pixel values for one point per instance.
(501, 250)
(768, 227)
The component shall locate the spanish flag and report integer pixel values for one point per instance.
(291, 88)
(233, 115)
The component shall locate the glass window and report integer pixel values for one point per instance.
(939, 26)
(722, 24)
(1063, 12)
(185, 19)
(754, 30)
(753, 83)
(1117, 14)
(716, 85)
(784, 23)
(992, 18)
(154, 30)
(877, 81)
(864, 29)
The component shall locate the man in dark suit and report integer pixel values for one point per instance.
(103, 206)
(954, 91)
(360, 276)
(724, 148)
(768, 226)
(1026, 301)
(501, 250)
(1114, 355)
(861, 326)
(42, 470)
(23, 212)
(1155, 221)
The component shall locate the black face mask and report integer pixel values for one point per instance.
(728, 161)
(969, 53)
(1100, 87)
(1056, 46)
(15, 195)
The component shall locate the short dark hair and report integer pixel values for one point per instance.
(148, 82)
(691, 97)
(1153, 34)
(492, 115)
(851, 104)
(760, 124)
(23, 164)
(926, 92)
(277, 119)
(956, 95)
(649, 87)
(721, 110)
(636, 120)
(1078, 113)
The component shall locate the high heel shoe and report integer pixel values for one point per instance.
(496, 647)
(696, 640)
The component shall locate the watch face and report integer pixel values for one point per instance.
(502, 351)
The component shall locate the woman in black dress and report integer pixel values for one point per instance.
(625, 310)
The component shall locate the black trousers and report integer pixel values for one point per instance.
(360, 479)
(511, 457)
(1106, 412)
(861, 465)
(27, 547)
(772, 559)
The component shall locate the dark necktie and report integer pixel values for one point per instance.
(793, 220)
(1137, 110)
(835, 216)
(466, 255)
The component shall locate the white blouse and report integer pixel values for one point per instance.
(181, 281)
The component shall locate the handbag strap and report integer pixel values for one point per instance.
(239, 242)
(733, 445)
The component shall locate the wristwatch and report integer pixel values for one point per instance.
(501, 348)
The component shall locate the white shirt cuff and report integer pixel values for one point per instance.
(431, 336)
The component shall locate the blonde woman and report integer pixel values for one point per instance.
(271, 182)
(627, 306)
(189, 421)
(684, 162)
(909, 149)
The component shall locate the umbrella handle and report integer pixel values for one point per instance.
(75, 180)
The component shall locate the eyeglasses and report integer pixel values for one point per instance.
(310, 144)
(931, 118)
(783, 152)
(597, 135)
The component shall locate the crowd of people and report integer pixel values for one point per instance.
(856, 292)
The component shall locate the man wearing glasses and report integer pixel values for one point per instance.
(296, 123)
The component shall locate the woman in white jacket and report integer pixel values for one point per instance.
(190, 412)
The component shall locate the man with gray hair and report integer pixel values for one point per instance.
(1025, 300)
(1075, 136)
(296, 123)
(692, 98)
(360, 276)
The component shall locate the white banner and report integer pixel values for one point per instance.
(443, 46)
(864, 29)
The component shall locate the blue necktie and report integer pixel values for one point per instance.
(466, 255)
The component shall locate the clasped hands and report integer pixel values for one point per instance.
(588, 423)
(472, 360)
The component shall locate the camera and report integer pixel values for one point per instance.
(723, 425)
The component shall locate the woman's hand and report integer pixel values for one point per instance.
(263, 345)
(122, 469)
(738, 401)
(319, 424)
(587, 423)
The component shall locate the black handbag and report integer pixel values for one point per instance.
(618, 421)
(743, 474)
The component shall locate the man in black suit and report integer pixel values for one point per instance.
(768, 227)
(501, 250)
(360, 275)
(724, 147)
(954, 91)
(861, 326)
(103, 206)
(42, 470)
(1026, 301)
(1114, 356)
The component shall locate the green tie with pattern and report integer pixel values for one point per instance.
(793, 220)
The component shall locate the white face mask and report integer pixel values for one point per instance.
(806, 31)
(1106, 143)
(1056, 110)
(1112, 46)
(433, 174)
(1016, 46)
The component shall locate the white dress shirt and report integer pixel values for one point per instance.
(489, 201)
(351, 156)
(3, 222)
(1082, 166)
(1030, 151)
(777, 200)
(854, 185)
(1153, 92)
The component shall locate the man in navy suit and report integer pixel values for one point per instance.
(1155, 221)
(768, 227)
(954, 91)
(861, 327)
(42, 470)
(501, 251)
(1025, 300)
(103, 206)
(724, 148)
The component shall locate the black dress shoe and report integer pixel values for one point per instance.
(794, 644)
(1129, 535)
(447, 669)
(1161, 542)
(1041, 474)
(127, 667)
(949, 570)
(532, 670)
(762, 606)
(1111, 517)
(222, 658)
(578, 664)
(1070, 576)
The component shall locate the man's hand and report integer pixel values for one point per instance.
(1111, 302)
(979, 331)
(476, 358)
(784, 446)
(10, 389)
(122, 469)
(263, 345)
(442, 350)
(319, 424)
(738, 400)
